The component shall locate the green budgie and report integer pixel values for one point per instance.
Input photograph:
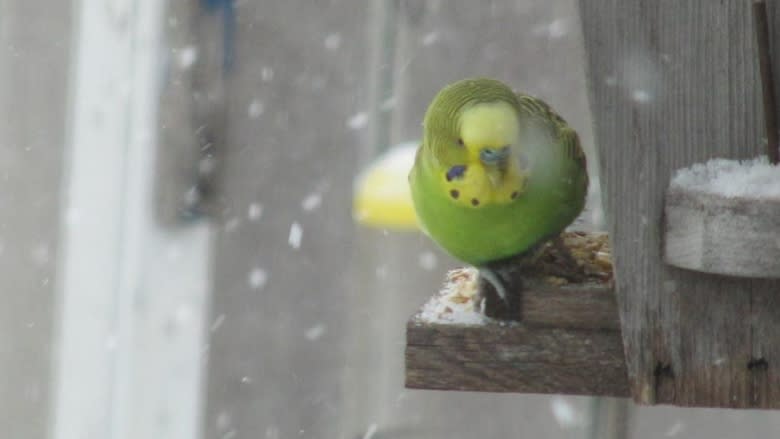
(497, 175)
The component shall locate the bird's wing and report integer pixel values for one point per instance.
(536, 112)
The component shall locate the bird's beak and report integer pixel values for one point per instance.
(494, 156)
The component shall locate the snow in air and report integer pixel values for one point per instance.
(223, 421)
(311, 202)
(332, 41)
(675, 429)
(553, 30)
(266, 74)
(258, 278)
(640, 96)
(256, 109)
(296, 234)
(217, 323)
(430, 38)
(755, 178)
(192, 196)
(358, 121)
(565, 413)
(640, 77)
(254, 211)
(187, 57)
(315, 332)
(370, 432)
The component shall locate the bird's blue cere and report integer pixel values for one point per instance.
(494, 156)
(456, 172)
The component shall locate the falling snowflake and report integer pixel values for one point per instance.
(258, 278)
(430, 38)
(311, 202)
(315, 332)
(296, 234)
(332, 41)
(266, 74)
(255, 211)
(217, 323)
(640, 96)
(358, 121)
(187, 57)
(565, 414)
(256, 109)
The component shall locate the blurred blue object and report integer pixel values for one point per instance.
(228, 10)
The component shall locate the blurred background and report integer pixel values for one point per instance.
(178, 254)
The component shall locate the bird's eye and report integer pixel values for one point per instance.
(460, 141)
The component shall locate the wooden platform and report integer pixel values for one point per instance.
(569, 342)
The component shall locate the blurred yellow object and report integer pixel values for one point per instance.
(381, 192)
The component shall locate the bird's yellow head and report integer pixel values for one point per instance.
(471, 133)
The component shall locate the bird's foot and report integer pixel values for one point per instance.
(500, 293)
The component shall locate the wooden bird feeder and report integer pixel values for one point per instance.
(693, 315)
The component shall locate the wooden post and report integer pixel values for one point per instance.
(761, 24)
(674, 83)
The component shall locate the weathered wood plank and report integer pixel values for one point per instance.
(568, 343)
(586, 306)
(714, 234)
(674, 83)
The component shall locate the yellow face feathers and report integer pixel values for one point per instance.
(488, 125)
(491, 173)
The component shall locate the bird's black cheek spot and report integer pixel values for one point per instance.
(515, 194)
(460, 142)
(455, 172)
(454, 194)
(474, 202)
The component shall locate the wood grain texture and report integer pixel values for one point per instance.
(586, 306)
(568, 343)
(729, 236)
(674, 83)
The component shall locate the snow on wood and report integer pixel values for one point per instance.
(723, 217)
(567, 342)
(755, 178)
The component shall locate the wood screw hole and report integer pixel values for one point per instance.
(663, 370)
(758, 364)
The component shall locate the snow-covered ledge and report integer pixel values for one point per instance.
(724, 217)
